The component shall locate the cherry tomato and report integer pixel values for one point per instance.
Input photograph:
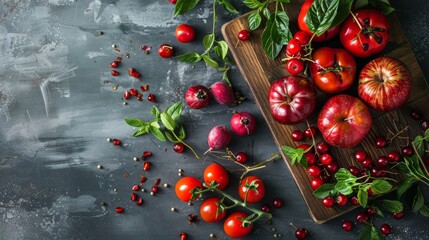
(216, 173)
(302, 24)
(253, 187)
(165, 51)
(233, 225)
(184, 187)
(371, 39)
(333, 69)
(295, 66)
(293, 47)
(302, 37)
(210, 211)
(243, 35)
(185, 33)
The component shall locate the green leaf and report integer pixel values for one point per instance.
(140, 132)
(343, 12)
(365, 233)
(376, 234)
(170, 137)
(419, 145)
(283, 1)
(182, 133)
(208, 40)
(379, 186)
(255, 20)
(404, 186)
(324, 191)
(382, 5)
(378, 211)
(228, 6)
(392, 206)
(155, 125)
(321, 15)
(191, 57)
(295, 155)
(282, 22)
(418, 200)
(360, 4)
(426, 135)
(175, 110)
(362, 197)
(266, 13)
(223, 48)
(155, 112)
(344, 187)
(344, 175)
(424, 210)
(253, 4)
(168, 121)
(269, 37)
(157, 133)
(209, 61)
(183, 6)
(413, 163)
(135, 122)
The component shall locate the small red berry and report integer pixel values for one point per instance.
(380, 142)
(314, 171)
(415, 115)
(146, 165)
(302, 37)
(354, 201)
(360, 156)
(394, 156)
(362, 217)
(114, 64)
(116, 142)
(266, 208)
(332, 167)
(367, 163)
(126, 94)
(382, 161)
(241, 157)
(293, 47)
(151, 98)
(328, 201)
(385, 229)
(322, 148)
(311, 158)
(119, 210)
(347, 225)
(183, 236)
(309, 132)
(139, 202)
(178, 147)
(135, 187)
(297, 135)
(304, 147)
(354, 171)
(342, 200)
(243, 35)
(114, 73)
(316, 183)
(326, 159)
(133, 92)
(425, 124)
(398, 215)
(134, 197)
(146, 154)
(371, 211)
(295, 66)
(278, 202)
(301, 233)
(165, 51)
(407, 151)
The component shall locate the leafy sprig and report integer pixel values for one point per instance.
(171, 130)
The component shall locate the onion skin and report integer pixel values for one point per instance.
(223, 93)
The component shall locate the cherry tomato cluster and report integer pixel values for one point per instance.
(296, 51)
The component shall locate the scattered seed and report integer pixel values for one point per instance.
(140, 202)
(135, 159)
(157, 182)
(115, 87)
(275, 235)
(180, 170)
(144, 88)
(154, 189)
(212, 235)
(102, 203)
(166, 185)
(113, 45)
(279, 235)
(116, 142)
(133, 92)
(99, 166)
(114, 73)
(109, 139)
(273, 229)
(134, 197)
(127, 94)
(146, 166)
(183, 236)
(140, 97)
(190, 204)
(151, 98)
(152, 193)
(192, 218)
(146, 154)
(119, 210)
(143, 179)
(100, 33)
(125, 103)
(114, 64)
(135, 187)
(173, 209)
(115, 190)
(180, 174)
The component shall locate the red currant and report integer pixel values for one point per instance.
(380, 142)
(165, 51)
(304, 147)
(347, 225)
(377, 172)
(415, 115)
(367, 163)
(302, 37)
(295, 66)
(342, 200)
(243, 35)
(354, 201)
(354, 171)
(293, 47)
(178, 147)
(394, 156)
(332, 167)
(362, 217)
(360, 156)
(316, 183)
(382, 161)
(241, 157)
(371, 211)
(322, 148)
(328, 201)
(314, 171)
(310, 132)
(398, 215)
(278, 202)
(301, 233)
(326, 159)
(311, 158)
(407, 151)
(385, 229)
(266, 208)
(297, 135)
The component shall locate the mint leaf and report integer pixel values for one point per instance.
(140, 132)
(362, 197)
(325, 190)
(404, 186)
(223, 49)
(182, 133)
(360, 4)
(168, 121)
(392, 206)
(419, 145)
(155, 112)
(155, 124)
(157, 133)
(270, 36)
(183, 6)
(418, 200)
(253, 4)
(191, 57)
(228, 6)
(135, 122)
(321, 15)
(343, 187)
(209, 61)
(379, 186)
(208, 40)
(255, 20)
(170, 137)
(365, 233)
(344, 175)
(175, 110)
(295, 155)
(424, 210)
(266, 13)
(376, 234)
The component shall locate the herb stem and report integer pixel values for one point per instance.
(420, 159)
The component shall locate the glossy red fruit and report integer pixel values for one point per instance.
(184, 187)
(360, 156)
(133, 73)
(119, 210)
(415, 115)
(342, 200)
(210, 210)
(133, 92)
(354, 171)
(114, 64)
(347, 225)
(127, 94)
(329, 201)
(322, 148)
(140, 202)
(165, 51)
(135, 188)
(316, 183)
(380, 142)
(114, 73)
(325, 177)
(116, 142)
(173, 2)
(179, 147)
(302, 37)
(332, 167)
(371, 211)
(134, 197)
(313, 171)
(241, 157)
(425, 124)
(386, 229)
(311, 158)
(383, 161)
(394, 156)
(326, 159)
(185, 33)
(233, 225)
(216, 173)
(297, 135)
(146, 166)
(362, 217)
(151, 98)
(197, 96)
(301, 233)
(398, 215)
(377, 172)
(367, 163)
(243, 35)
(243, 123)
(293, 47)
(354, 201)
(305, 147)
(407, 151)
(266, 208)
(277, 203)
(295, 66)
(310, 132)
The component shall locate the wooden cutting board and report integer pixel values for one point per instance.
(259, 71)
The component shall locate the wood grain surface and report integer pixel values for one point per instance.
(259, 71)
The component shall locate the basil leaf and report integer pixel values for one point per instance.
(404, 186)
(209, 61)
(170, 137)
(255, 20)
(266, 13)
(413, 163)
(208, 40)
(343, 187)
(365, 233)
(360, 4)
(175, 110)
(253, 4)
(282, 23)
(293, 154)
(182, 132)
(321, 15)
(379, 186)
(424, 210)
(223, 47)
(155, 112)
(376, 234)
(362, 197)
(157, 133)
(183, 6)
(392, 206)
(419, 145)
(168, 121)
(418, 200)
(382, 5)
(228, 6)
(191, 57)
(324, 191)
(343, 12)
(269, 37)
(135, 122)
(140, 132)
(155, 124)
(344, 175)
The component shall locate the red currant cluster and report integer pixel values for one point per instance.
(296, 51)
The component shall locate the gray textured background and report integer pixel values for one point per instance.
(57, 108)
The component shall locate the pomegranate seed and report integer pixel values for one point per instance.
(135, 188)
(126, 95)
(133, 92)
(140, 97)
(114, 64)
(147, 154)
(116, 142)
(157, 182)
(183, 236)
(399, 215)
(136, 75)
(134, 197)
(143, 179)
(144, 88)
(266, 208)
(278, 202)
(192, 218)
(154, 189)
(139, 202)
(119, 210)
(151, 98)
(146, 166)
(132, 72)
(114, 73)
(178, 147)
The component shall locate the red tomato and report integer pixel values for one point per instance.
(333, 69)
(233, 225)
(255, 188)
(185, 33)
(370, 38)
(217, 173)
(165, 51)
(184, 187)
(210, 211)
(302, 24)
